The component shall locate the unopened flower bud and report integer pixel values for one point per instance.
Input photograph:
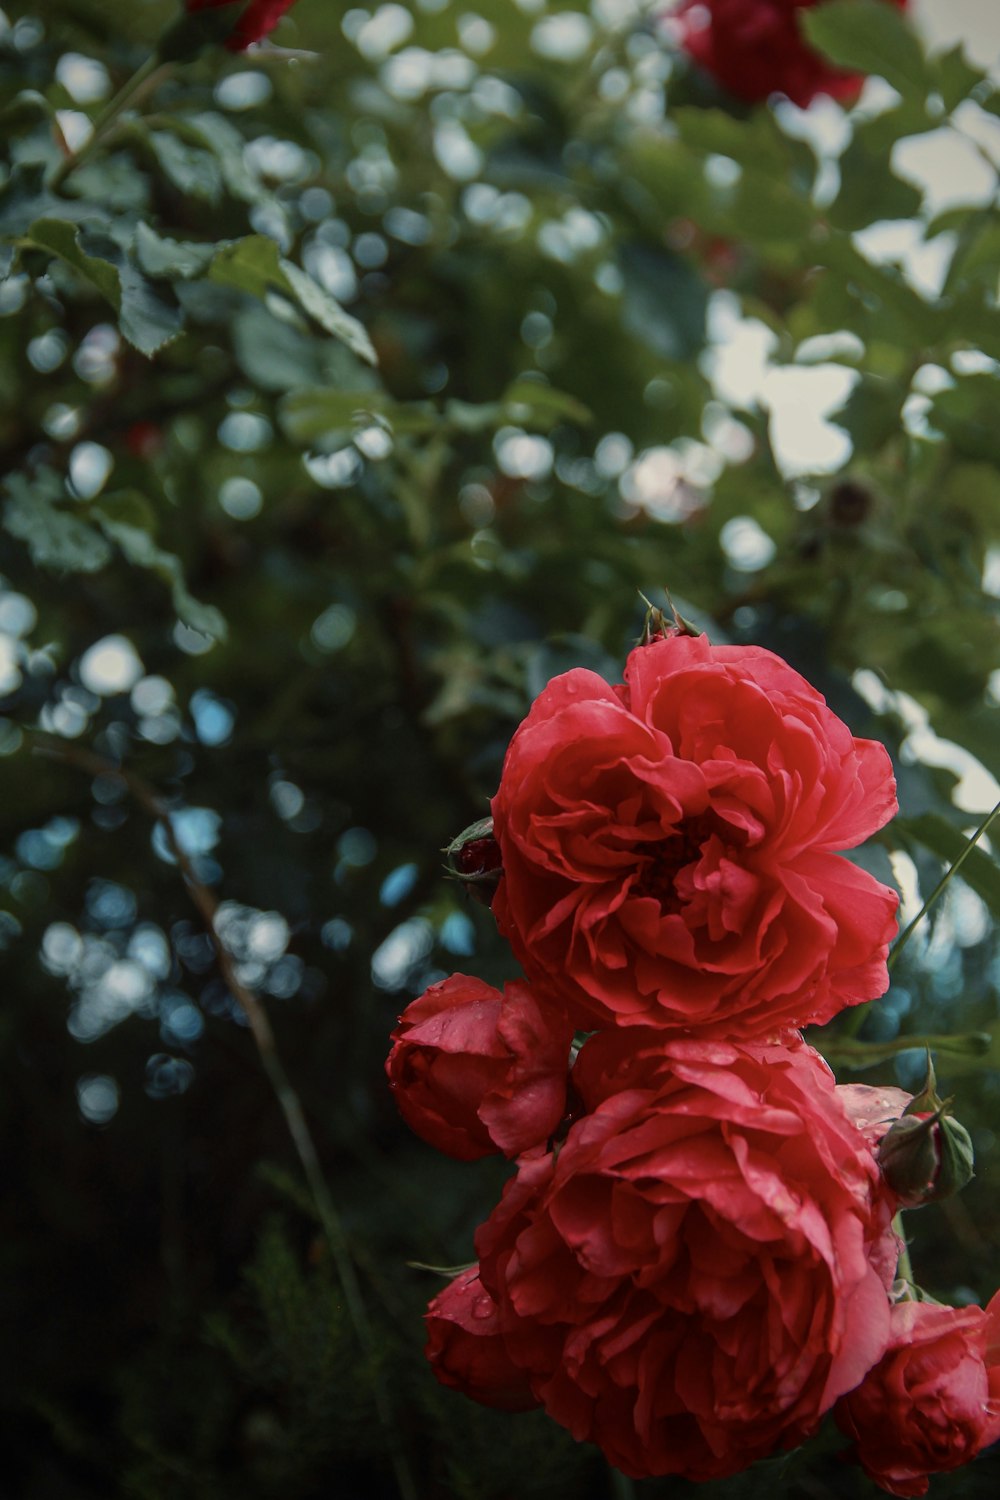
(474, 858)
(926, 1156)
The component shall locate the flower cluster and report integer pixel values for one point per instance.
(755, 48)
(695, 1259)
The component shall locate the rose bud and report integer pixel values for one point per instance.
(476, 1072)
(926, 1154)
(924, 1157)
(465, 1350)
(474, 858)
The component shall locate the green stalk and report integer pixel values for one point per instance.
(104, 121)
(622, 1487)
(907, 933)
(854, 1022)
(904, 1269)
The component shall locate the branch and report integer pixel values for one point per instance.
(261, 1030)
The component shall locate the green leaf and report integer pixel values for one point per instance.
(126, 518)
(474, 416)
(946, 841)
(872, 412)
(222, 138)
(755, 142)
(255, 265)
(895, 311)
(869, 189)
(308, 415)
(165, 259)
(535, 404)
(146, 318)
(868, 36)
(955, 77)
(327, 311)
(275, 355)
(193, 170)
(23, 198)
(966, 414)
(665, 300)
(55, 538)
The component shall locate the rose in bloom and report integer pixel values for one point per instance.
(668, 845)
(874, 1110)
(476, 1072)
(465, 1349)
(700, 1271)
(933, 1400)
(755, 48)
(251, 21)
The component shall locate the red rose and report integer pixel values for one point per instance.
(700, 1271)
(477, 1072)
(465, 1349)
(258, 18)
(874, 1109)
(755, 48)
(668, 845)
(933, 1401)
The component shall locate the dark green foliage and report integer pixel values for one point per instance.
(360, 401)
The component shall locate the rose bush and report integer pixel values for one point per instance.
(700, 1271)
(668, 845)
(475, 1072)
(465, 1349)
(255, 21)
(755, 48)
(933, 1401)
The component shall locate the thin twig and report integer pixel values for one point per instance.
(907, 933)
(856, 1019)
(106, 120)
(261, 1031)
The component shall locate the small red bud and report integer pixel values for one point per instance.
(474, 858)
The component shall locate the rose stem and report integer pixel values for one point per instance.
(104, 120)
(622, 1487)
(854, 1022)
(904, 1268)
(906, 934)
(263, 1035)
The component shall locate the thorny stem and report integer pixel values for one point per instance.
(261, 1031)
(856, 1019)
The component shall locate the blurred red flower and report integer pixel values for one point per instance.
(258, 18)
(755, 48)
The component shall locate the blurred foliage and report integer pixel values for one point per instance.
(351, 389)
